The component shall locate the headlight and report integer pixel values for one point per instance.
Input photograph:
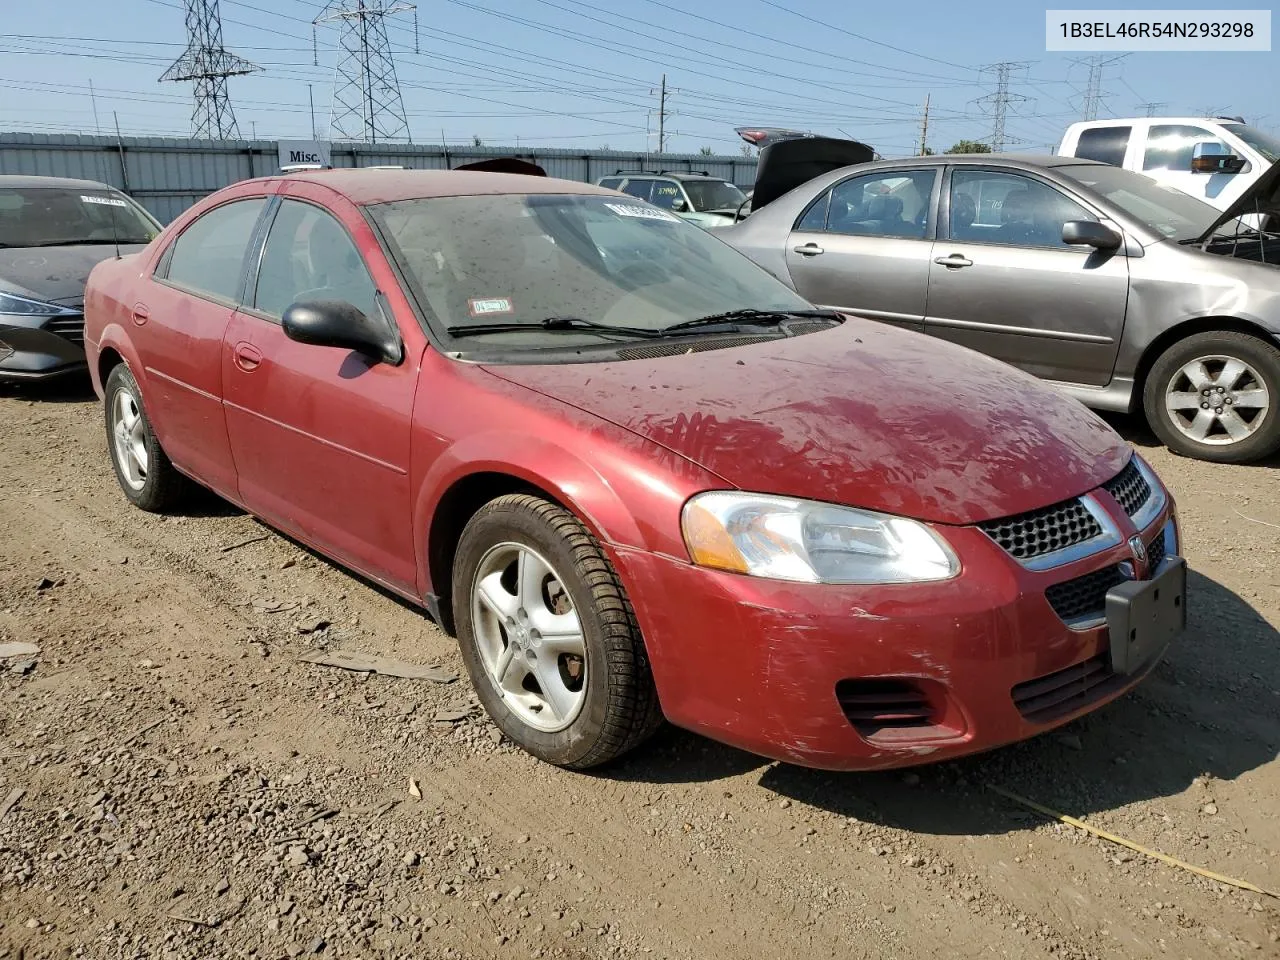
(787, 539)
(11, 303)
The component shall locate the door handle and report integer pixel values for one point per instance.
(808, 250)
(247, 356)
(955, 260)
(141, 314)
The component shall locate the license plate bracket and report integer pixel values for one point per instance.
(1143, 616)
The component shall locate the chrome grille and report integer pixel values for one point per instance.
(1047, 530)
(69, 328)
(1130, 489)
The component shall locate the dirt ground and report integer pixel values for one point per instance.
(190, 789)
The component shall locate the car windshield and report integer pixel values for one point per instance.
(713, 194)
(1264, 143)
(62, 216)
(1167, 210)
(521, 259)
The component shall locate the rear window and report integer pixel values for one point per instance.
(1104, 144)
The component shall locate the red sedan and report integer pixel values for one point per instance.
(634, 473)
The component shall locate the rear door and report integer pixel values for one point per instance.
(181, 318)
(1003, 282)
(320, 434)
(864, 246)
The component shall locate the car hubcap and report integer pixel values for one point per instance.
(1217, 400)
(129, 436)
(529, 636)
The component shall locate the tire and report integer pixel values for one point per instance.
(574, 704)
(154, 486)
(1239, 394)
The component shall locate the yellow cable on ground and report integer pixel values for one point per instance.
(1103, 834)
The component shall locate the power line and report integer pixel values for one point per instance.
(209, 64)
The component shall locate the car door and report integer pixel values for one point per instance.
(863, 246)
(1003, 282)
(320, 435)
(1166, 157)
(181, 320)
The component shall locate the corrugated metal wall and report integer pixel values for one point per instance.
(167, 175)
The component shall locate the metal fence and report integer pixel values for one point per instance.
(167, 175)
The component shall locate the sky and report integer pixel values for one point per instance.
(586, 73)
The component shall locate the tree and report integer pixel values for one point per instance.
(706, 151)
(476, 141)
(969, 146)
(927, 152)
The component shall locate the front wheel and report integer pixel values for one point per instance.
(548, 635)
(1216, 396)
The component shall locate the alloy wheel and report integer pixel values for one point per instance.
(529, 636)
(129, 436)
(1217, 400)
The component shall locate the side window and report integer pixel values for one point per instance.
(611, 183)
(208, 257)
(638, 188)
(666, 193)
(1104, 144)
(894, 204)
(1169, 146)
(309, 256)
(1007, 208)
(815, 218)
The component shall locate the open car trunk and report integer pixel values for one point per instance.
(787, 163)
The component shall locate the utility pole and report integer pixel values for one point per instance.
(367, 104)
(1094, 94)
(924, 129)
(663, 93)
(209, 64)
(999, 100)
(94, 100)
(311, 102)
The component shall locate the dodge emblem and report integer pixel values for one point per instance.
(1139, 551)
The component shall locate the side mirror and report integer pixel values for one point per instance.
(335, 323)
(1090, 233)
(678, 204)
(1210, 157)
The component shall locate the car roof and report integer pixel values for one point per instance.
(15, 181)
(365, 187)
(1123, 121)
(637, 174)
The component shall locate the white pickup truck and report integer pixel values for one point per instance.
(1214, 159)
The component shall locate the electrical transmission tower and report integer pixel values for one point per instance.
(207, 63)
(1094, 95)
(1154, 107)
(366, 94)
(999, 100)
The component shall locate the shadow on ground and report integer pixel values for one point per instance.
(1134, 428)
(1182, 721)
(68, 389)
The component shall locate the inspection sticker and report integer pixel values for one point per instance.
(106, 201)
(489, 307)
(642, 213)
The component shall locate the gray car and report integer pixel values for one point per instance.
(1130, 295)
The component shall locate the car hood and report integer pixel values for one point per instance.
(1263, 198)
(786, 164)
(863, 414)
(55, 274)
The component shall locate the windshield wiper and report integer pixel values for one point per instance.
(759, 318)
(550, 325)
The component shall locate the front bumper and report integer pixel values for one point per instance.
(35, 353)
(792, 671)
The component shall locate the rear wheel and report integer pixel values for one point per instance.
(548, 635)
(1216, 396)
(146, 476)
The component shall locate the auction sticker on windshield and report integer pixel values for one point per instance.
(108, 201)
(642, 213)
(489, 307)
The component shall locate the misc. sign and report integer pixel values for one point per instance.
(295, 153)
